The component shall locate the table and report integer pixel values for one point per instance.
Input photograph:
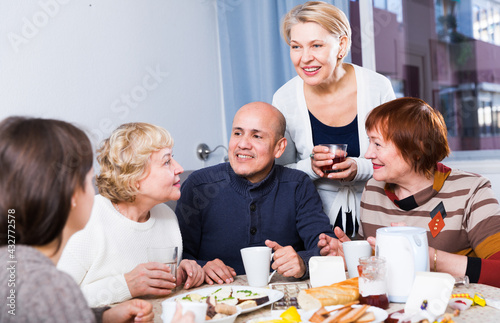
(473, 314)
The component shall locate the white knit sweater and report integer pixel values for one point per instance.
(111, 245)
(373, 89)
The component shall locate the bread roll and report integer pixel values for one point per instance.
(336, 294)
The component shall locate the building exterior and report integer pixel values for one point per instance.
(446, 52)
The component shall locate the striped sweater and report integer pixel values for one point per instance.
(471, 216)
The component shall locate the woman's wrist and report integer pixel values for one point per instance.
(432, 253)
(435, 269)
(445, 262)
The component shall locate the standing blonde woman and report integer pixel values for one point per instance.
(109, 257)
(327, 104)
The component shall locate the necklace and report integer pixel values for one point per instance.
(119, 211)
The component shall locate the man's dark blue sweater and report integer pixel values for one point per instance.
(220, 213)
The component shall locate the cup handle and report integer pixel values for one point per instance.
(274, 272)
(271, 276)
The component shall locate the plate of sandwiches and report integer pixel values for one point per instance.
(349, 313)
(244, 297)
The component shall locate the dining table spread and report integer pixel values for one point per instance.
(475, 313)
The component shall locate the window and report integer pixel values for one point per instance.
(445, 52)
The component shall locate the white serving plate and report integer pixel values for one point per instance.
(274, 295)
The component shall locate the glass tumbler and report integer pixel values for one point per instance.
(372, 282)
(166, 255)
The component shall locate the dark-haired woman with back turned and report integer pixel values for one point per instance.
(46, 195)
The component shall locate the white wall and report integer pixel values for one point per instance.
(103, 63)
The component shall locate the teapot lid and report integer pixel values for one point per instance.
(400, 230)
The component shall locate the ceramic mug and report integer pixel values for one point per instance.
(353, 250)
(257, 263)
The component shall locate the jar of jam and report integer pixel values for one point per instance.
(372, 281)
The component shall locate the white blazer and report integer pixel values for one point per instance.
(373, 89)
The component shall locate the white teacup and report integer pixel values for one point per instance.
(169, 307)
(353, 250)
(257, 262)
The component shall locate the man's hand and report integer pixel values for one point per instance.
(134, 310)
(190, 273)
(151, 278)
(286, 260)
(330, 246)
(216, 271)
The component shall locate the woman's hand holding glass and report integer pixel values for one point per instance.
(321, 156)
(151, 278)
(155, 278)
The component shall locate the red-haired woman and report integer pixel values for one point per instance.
(410, 186)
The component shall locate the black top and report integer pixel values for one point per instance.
(323, 134)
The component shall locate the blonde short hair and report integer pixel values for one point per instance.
(125, 156)
(324, 14)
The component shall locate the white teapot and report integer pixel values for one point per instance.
(406, 252)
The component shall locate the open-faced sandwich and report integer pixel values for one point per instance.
(224, 301)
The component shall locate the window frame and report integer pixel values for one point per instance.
(465, 159)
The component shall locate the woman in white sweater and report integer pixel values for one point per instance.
(327, 104)
(109, 258)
